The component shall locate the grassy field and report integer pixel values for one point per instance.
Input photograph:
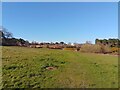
(44, 68)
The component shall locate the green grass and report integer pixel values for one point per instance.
(26, 68)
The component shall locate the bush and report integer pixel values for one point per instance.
(114, 49)
(69, 49)
(95, 48)
(90, 48)
(86, 48)
(105, 49)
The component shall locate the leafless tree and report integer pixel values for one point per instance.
(4, 33)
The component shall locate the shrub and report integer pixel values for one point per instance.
(68, 48)
(95, 48)
(86, 48)
(114, 49)
(105, 49)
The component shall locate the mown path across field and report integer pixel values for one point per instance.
(44, 68)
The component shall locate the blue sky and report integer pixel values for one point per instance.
(68, 22)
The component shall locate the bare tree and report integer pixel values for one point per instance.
(5, 33)
(88, 42)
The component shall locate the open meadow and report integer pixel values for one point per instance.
(49, 68)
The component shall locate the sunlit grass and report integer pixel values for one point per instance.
(26, 68)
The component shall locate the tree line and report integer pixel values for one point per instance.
(7, 39)
(109, 42)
